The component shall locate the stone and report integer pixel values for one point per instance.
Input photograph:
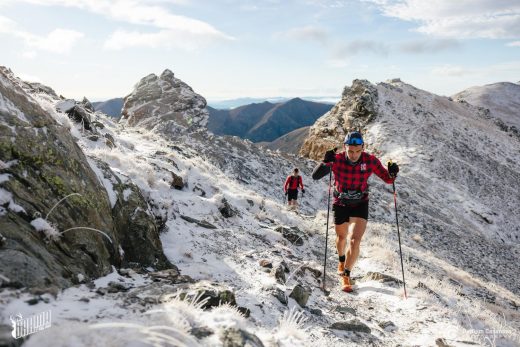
(301, 294)
(280, 295)
(354, 325)
(226, 210)
(166, 104)
(279, 274)
(177, 181)
(356, 109)
(169, 275)
(49, 167)
(387, 325)
(316, 311)
(201, 223)
(440, 342)
(266, 263)
(293, 234)
(116, 287)
(215, 293)
(201, 332)
(346, 309)
(233, 337)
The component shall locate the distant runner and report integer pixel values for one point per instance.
(292, 183)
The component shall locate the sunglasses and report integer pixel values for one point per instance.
(354, 141)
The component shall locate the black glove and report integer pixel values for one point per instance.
(303, 190)
(330, 156)
(393, 169)
(286, 192)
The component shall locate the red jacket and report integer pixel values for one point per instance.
(355, 177)
(293, 183)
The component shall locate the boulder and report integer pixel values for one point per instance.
(301, 294)
(52, 188)
(352, 325)
(165, 103)
(233, 337)
(356, 109)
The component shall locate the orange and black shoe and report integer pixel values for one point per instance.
(341, 268)
(346, 286)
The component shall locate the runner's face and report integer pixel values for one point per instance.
(353, 152)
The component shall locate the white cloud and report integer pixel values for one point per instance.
(57, 41)
(458, 19)
(188, 32)
(359, 46)
(451, 71)
(495, 72)
(513, 44)
(429, 46)
(165, 38)
(308, 33)
(6, 25)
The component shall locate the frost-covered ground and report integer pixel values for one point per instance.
(443, 301)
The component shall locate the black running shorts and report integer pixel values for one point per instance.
(292, 194)
(342, 214)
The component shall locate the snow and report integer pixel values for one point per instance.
(106, 182)
(4, 178)
(47, 228)
(230, 253)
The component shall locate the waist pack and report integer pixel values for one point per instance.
(351, 197)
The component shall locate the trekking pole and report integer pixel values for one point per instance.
(399, 238)
(327, 238)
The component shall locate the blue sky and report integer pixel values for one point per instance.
(228, 48)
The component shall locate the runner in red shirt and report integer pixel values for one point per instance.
(351, 169)
(291, 188)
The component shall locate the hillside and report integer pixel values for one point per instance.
(247, 271)
(265, 121)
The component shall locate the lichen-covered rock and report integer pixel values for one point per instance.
(41, 165)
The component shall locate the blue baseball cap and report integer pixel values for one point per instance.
(354, 138)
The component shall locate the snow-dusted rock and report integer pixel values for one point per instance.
(165, 103)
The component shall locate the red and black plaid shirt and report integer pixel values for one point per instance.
(355, 176)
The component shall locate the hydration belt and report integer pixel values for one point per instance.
(351, 197)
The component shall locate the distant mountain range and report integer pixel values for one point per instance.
(110, 107)
(233, 103)
(265, 121)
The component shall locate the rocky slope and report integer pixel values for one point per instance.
(289, 143)
(220, 204)
(59, 224)
(458, 172)
(501, 99)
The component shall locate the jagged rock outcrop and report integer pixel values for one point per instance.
(357, 108)
(40, 164)
(166, 104)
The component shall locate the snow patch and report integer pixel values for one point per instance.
(47, 228)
